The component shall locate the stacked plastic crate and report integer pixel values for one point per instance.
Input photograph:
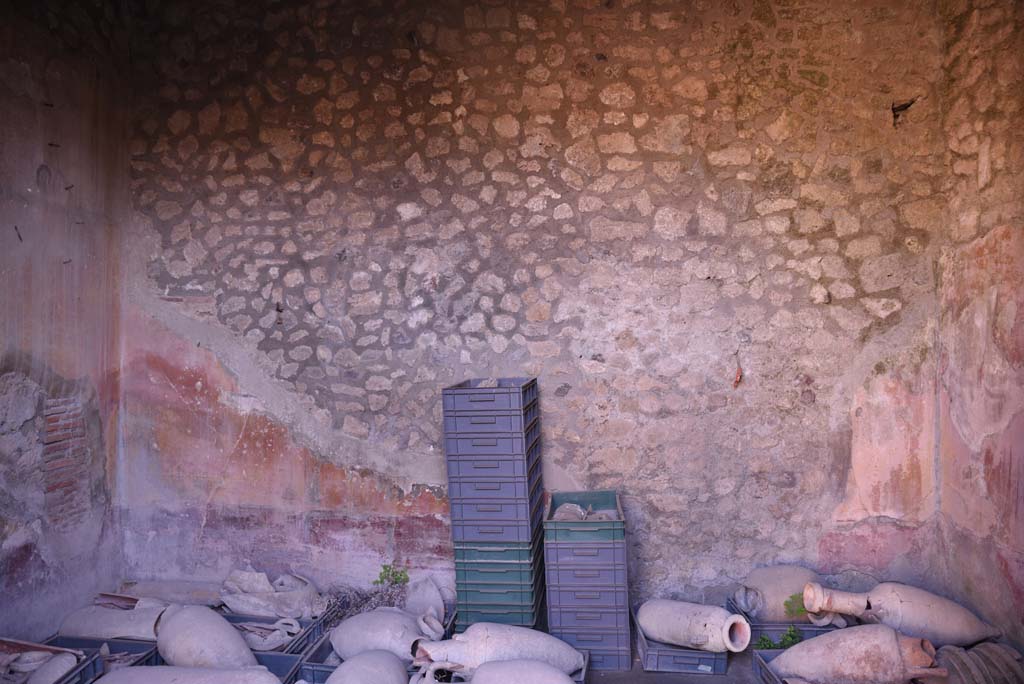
(492, 446)
(587, 589)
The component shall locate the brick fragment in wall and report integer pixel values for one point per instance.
(66, 462)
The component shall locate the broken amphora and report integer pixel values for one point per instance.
(484, 642)
(767, 595)
(867, 654)
(387, 629)
(190, 675)
(113, 623)
(378, 667)
(196, 636)
(291, 596)
(692, 625)
(907, 609)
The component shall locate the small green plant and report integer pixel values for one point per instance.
(795, 606)
(790, 637)
(391, 575)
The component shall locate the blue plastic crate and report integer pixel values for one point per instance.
(486, 509)
(481, 422)
(619, 660)
(509, 394)
(495, 530)
(563, 576)
(585, 554)
(595, 640)
(313, 666)
(493, 467)
(601, 619)
(491, 488)
(760, 661)
(299, 643)
(284, 665)
(658, 657)
(139, 652)
(567, 596)
(775, 630)
(492, 444)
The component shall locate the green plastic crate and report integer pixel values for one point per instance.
(499, 552)
(585, 530)
(498, 572)
(525, 616)
(500, 594)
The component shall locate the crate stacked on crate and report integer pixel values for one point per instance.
(492, 447)
(587, 589)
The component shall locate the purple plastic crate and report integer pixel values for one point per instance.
(492, 510)
(608, 619)
(659, 657)
(775, 630)
(509, 394)
(457, 422)
(493, 444)
(495, 488)
(610, 554)
(612, 661)
(560, 575)
(588, 639)
(587, 597)
(760, 661)
(496, 530)
(493, 467)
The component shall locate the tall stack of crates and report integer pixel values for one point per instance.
(587, 589)
(492, 447)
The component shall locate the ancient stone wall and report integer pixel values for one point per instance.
(63, 196)
(702, 225)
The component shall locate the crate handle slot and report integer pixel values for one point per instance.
(582, 595)
(482, 397)
(491, 530)
(487, 487)
(584, 552)
(587, 616)
(483, 421)
(587, 637)
(485, 464)
(586, 573)
(488, 508)
(485, 442)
